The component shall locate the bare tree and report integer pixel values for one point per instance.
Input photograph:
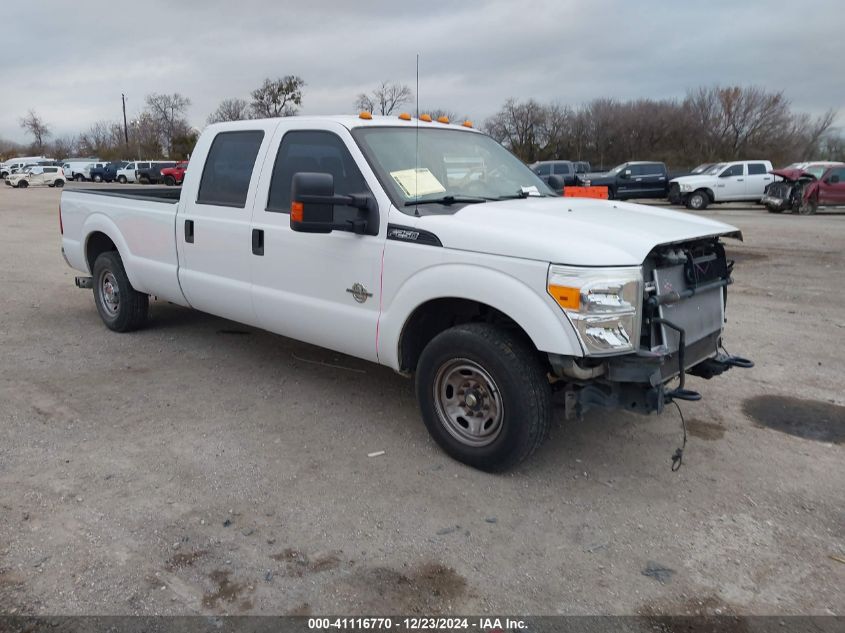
(63, 147)
(385, 99)
(36, 126)
(168, 112)
(230, 110)
(278, 97)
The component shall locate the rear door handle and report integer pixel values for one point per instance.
(189, 231)
(257, 242)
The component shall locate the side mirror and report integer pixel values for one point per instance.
(556, 183)
(313, 201)
(725, 174)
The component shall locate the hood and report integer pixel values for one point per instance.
(576, 231)
(791, 174)
(698, 179)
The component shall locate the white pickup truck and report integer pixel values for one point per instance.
(429, 248)
(740, 180)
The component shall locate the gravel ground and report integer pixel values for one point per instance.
(199, 466)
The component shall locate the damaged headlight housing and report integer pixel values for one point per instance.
(685, 187)
(604, 305)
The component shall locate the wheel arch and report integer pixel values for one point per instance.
(437, 298)
(102, 235)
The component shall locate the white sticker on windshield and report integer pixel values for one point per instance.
(417, 182)
(531, 191)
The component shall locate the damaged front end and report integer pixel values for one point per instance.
(789, 193)
(684, 295)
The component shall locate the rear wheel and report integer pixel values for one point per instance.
(59, 183)
(121, 307)
(169, 181)
(698, 200)
(122, 180)
(144, 180)
(484, 396)
(98, 178)
(79, 178)
(23, 184)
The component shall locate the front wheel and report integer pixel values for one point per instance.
(98, 178)
(79, 178)
(808, 207)
(484, 396)
(121, 307)
(121, 180)
(698, 201)
(774, 209)
(23, 184)
(169, 181)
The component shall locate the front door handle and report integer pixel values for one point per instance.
(740, 179)
(189, 231)
(257, 242)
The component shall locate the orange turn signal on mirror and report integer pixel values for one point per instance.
(296, 209)
(566, 297)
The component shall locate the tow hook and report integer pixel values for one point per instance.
(84, 282)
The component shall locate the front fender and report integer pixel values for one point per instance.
(541, 318)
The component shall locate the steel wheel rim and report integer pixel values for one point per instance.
(468, 402)
(697, 200)
(109, 293)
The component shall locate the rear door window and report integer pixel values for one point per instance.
(756, 169)
(562, 169)
(228, 168)
(543, 170)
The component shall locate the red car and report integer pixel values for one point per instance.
(174, 175)
(803, 190)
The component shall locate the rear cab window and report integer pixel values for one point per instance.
(228, 168)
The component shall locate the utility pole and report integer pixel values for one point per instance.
(125, 127)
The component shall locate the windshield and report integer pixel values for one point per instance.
(715, 169)
(618, 168)
(446, 165)
(816, 170)
(702, 168)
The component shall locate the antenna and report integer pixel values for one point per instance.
(417, 148)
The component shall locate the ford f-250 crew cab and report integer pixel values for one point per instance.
(428, 248)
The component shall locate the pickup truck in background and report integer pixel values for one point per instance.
(635, 179)
(480, 282)
(736, 181)
(559, 173)
(803, 189)
(172, 176)
(149, 173)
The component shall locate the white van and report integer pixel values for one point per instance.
(14, 165)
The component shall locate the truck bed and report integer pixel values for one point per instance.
(154, 194)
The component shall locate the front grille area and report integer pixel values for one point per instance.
(686, 287)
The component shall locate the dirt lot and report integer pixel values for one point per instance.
(200, 466)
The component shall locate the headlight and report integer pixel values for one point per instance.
(686, 187)
(604, 305)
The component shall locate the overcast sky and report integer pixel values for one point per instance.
(71, 61)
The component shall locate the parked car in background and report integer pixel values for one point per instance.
(741, 180)
(149, 173)
(15, 165)
(174, 175)
(35, 175)
(74, 168)
(803, 190)
(582, 167)
(95, 171)
(555, 173)
(126, 173)
(110, 170)
(634, 179)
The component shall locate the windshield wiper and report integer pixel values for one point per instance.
(447, 200)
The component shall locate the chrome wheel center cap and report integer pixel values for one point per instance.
(472, 400)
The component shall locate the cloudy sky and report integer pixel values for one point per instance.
(70, 61)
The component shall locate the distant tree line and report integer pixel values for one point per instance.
(709, 124)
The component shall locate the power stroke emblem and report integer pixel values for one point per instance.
(359, 292)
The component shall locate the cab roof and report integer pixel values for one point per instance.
(351, 121)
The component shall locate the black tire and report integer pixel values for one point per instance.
(122, 179)
(697, 200)
(169, 181)
(59, 183)
(520, 394)
(808, 207)
(773, 209)
(611, 194)
(130, 310)
(98, 178)
(23, 184)
(79, 178)
(144, 180)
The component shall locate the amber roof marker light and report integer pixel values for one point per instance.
(365, 115)
(443, 119)
(467, 123)
(405, 116)
(425, 117)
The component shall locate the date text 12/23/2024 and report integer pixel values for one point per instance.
(488, 624)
